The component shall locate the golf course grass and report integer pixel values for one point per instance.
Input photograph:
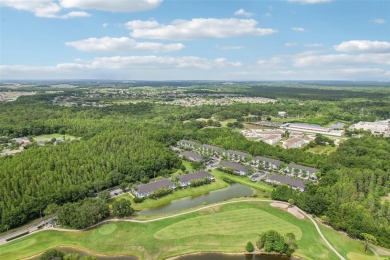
(225, 228)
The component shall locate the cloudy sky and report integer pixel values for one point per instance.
(195, 39)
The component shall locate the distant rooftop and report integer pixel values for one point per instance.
(193, 155)
(273, 161)
(212, 147)
(237, 153)
(305, 168)
(338, 125)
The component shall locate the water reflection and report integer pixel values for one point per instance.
(235, 190)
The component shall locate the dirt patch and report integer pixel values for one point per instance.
(279, 205)
(382, 251)
(295, 212)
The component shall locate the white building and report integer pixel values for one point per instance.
(294, 143)
(272, 139)
(282, 113)
(379, 127)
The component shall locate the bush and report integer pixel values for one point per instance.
(52, 254)
(160, 193)
(200, 182)
(249, 247)
(138, 199)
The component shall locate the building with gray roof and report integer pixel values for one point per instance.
(238, 168)
(145, 190)
(272, 163)
(290, 181)
(185, 180)
(196, 157)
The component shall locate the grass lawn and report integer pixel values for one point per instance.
(49, 137)
(244, 180)
(319, 149)
(225, 122)
(186, 164)
(354, 249)
(224, 228)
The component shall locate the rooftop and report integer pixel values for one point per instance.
(237, 153)
(212, 147)
(193, 155)
(195, 176)
(306, 125)
(152, 186)
(273, 161)
(234, 166)
(271, 137)
(292, 141)
(288, 180)
(304, 168)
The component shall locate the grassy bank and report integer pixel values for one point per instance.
(177, 194)
(224, 228)
(261, 186)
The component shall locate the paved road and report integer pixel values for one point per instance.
(210, 206)
(30, 229)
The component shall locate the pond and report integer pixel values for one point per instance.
(219, 256)
(235, 190)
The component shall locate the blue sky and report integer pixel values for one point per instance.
(195, 39)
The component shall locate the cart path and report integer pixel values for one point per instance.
(195, 210)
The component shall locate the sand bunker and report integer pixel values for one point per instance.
(279, 205)
(295, 212)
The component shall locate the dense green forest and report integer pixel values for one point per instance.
(130, 142)
(350, 194)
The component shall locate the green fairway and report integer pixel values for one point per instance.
(216, 225)
(224, 228)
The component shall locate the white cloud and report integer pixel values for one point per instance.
(120, 63)
(363, 46)
(105, 25)
(55, 8)
(290, 44)
(340, 60)
(242, 12)
(313, 45)
(112, 6)
(41, 8)
(75, 14)
(228, 48)
(122, 44)
(378, 20)
(298, 29)
(271, 62)
(310, 1)
(160, 62)
(199, 28)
